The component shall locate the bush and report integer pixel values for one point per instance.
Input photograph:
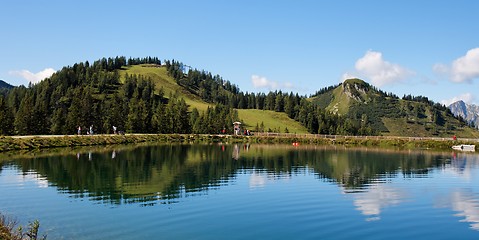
(10, 231)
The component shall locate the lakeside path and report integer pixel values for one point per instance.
(8, 143)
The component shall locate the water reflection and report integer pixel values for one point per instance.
(162, 174)
(376, 198)
(466, 203)
(463, 165)
(140, 173)
(257, 180)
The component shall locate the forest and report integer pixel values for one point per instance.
(97, 95)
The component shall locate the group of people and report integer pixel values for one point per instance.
(88, 132)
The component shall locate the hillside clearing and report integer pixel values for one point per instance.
(160, 77)
(272, 120)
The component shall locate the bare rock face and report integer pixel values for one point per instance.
(468, 112)
(357, 90)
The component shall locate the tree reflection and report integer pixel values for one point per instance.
(163, 173)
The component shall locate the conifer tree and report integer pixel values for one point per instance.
(25, 116)
(6, 118)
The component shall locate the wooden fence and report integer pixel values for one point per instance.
(323, 136)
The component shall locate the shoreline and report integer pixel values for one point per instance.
(12, 143)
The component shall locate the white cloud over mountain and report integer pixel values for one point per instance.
(263, 82)
(34, 77)
(466, 97)
(380, 72)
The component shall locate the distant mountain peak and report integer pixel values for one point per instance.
(468, 112)
(4, 84)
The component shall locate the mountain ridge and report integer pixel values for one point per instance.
(468, 112)
(152, 96)
(386, 112)
(6, 85)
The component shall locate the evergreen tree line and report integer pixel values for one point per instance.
(423, 99)
(85, 95)
(214, 89)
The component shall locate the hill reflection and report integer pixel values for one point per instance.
(164, 173)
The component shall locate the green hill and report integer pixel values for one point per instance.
(151, 96)
(276, 121)
(390, 115)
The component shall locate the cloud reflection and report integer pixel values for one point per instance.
(467, 206)
(379, 197)
(25, 179)
(257, 181)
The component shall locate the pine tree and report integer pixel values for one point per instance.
(58, 121)
(195, 121)
(183, 125)
(279, 103)
(137, 118)
(289, 106)
(6, 118)
(25, 116)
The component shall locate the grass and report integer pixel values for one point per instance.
(160, 77)
(38, 143)
(271, 120)
(400, 127)
(340, 103)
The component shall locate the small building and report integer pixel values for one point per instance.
(237, 128)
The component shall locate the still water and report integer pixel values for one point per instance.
(243, 192)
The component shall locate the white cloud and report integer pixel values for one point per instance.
(380, 72)
(34, 77)
(263, 82)
(466, 97)
(347, 76)
(463, 69)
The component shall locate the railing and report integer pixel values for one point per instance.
(316, 136)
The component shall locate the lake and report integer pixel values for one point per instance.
(242, 191)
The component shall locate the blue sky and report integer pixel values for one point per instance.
(428, 48)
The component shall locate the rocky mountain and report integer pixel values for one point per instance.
(468, 112)
(387, 113)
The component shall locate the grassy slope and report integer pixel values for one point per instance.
(340, 103)
(159, 75)
(270, 119)
(400, 127)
